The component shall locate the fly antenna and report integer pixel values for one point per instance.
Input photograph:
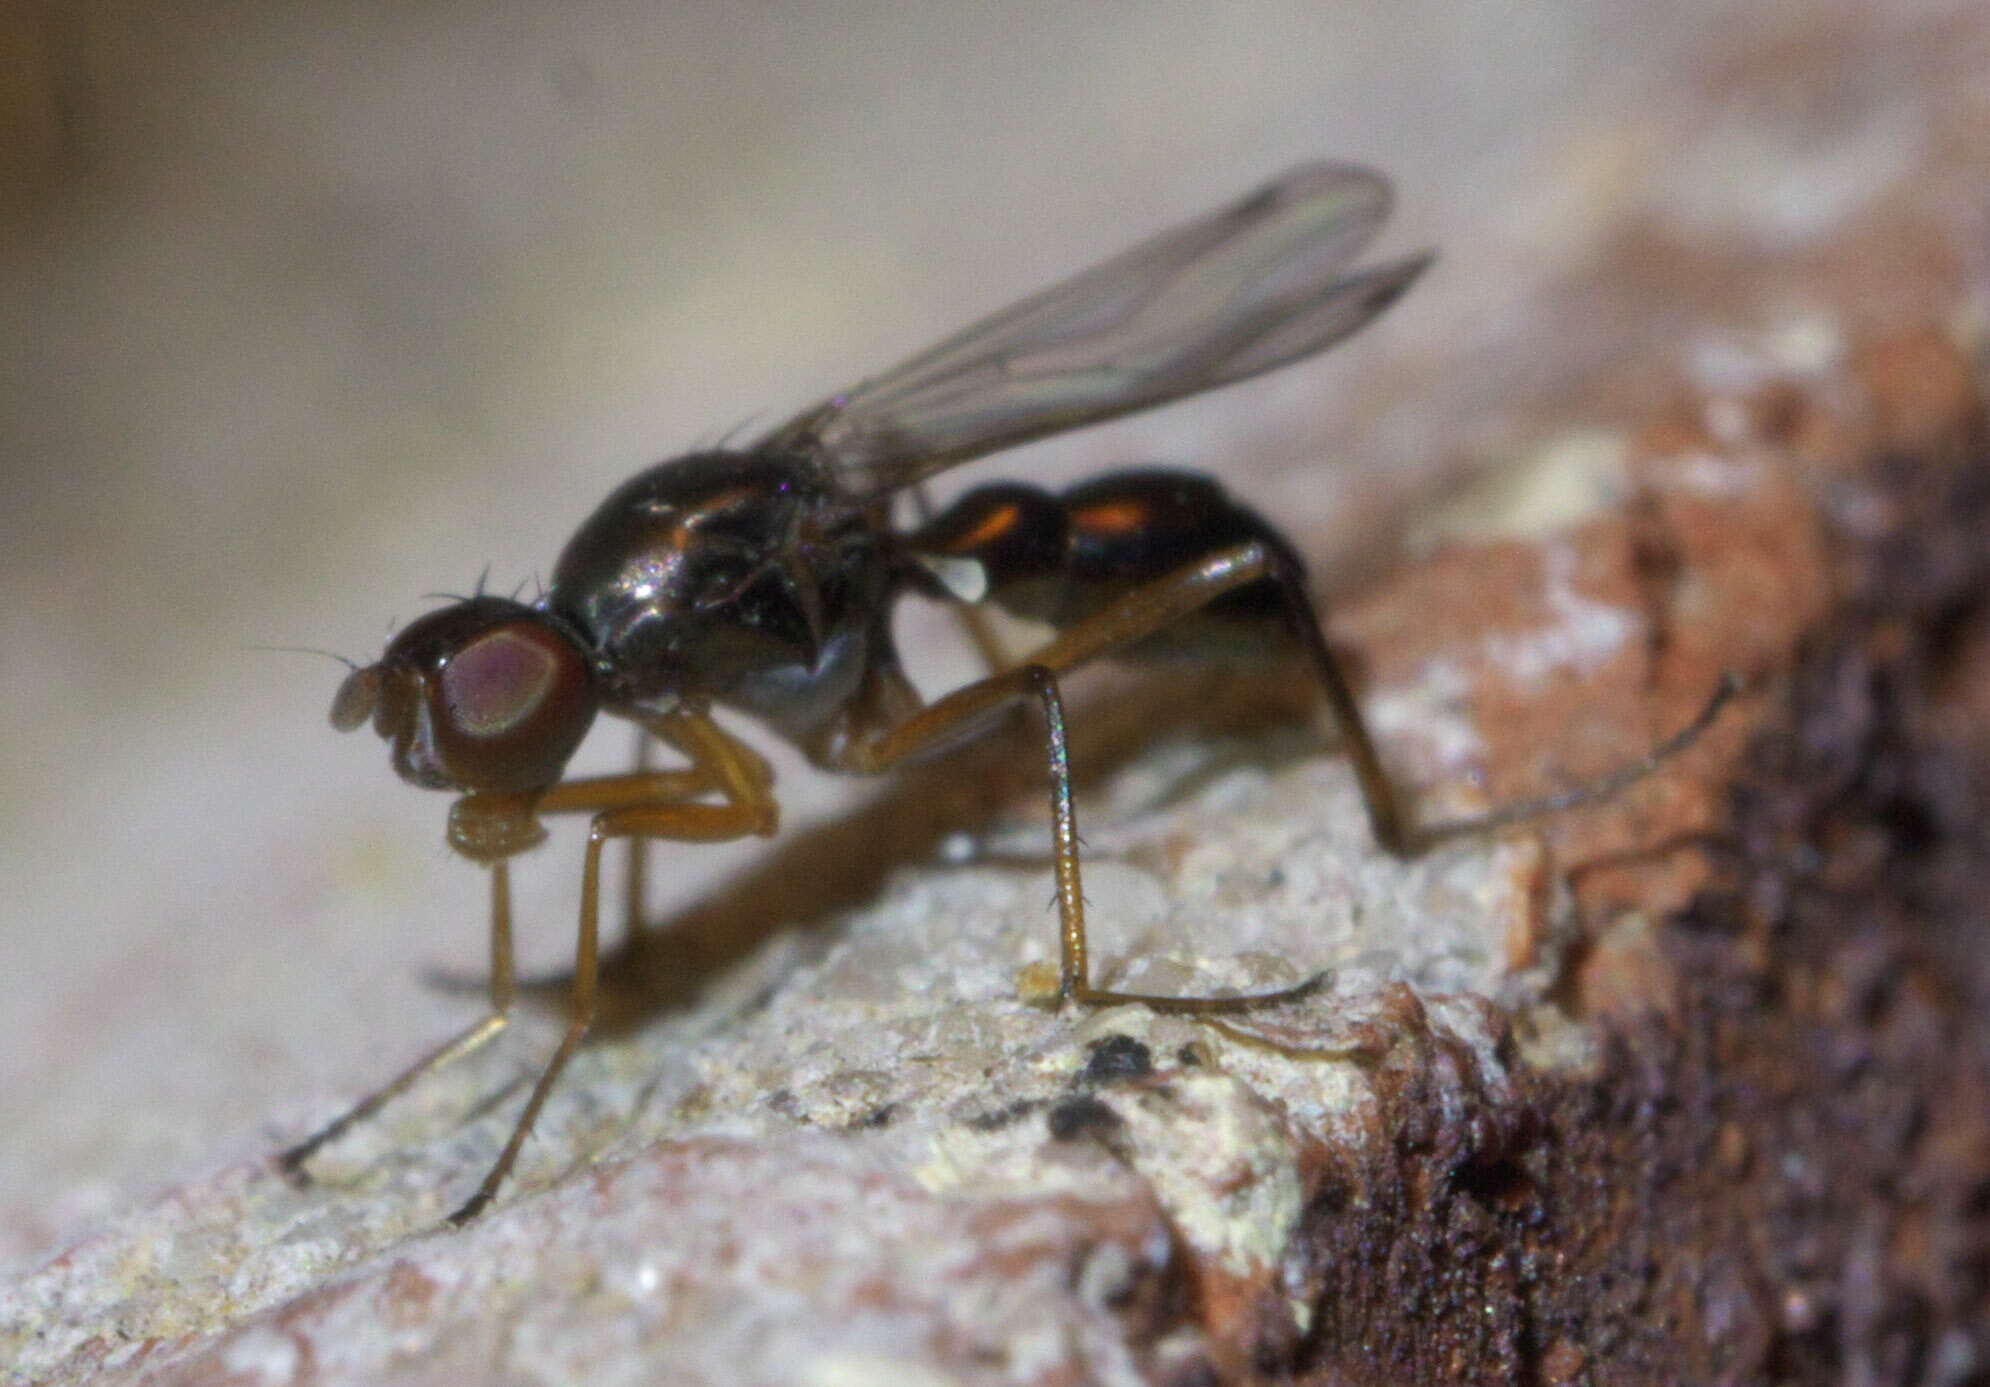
(307, 650)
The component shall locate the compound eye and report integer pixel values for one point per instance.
(509, 706)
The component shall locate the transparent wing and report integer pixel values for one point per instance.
(1243, 289)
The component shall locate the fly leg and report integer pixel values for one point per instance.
(625, 811)
(646, 804)
(1125, 621)
(684, 823)
(635, 881)
(466, 1042)
(940, 722)
(734, 768)
(1156, 605)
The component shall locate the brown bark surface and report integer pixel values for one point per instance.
(1778, 1172)
(1686, 1087)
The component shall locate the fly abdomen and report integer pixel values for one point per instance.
(1060, 557)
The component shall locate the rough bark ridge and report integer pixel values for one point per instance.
(1787, 1179)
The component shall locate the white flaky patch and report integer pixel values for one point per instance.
(1585, 634)
(1577, 475)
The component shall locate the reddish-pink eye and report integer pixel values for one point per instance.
(483, 695)
(500, 680)
(507, 706)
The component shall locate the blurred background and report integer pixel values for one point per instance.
(312, 310)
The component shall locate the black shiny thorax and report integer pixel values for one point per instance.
(746, 579)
